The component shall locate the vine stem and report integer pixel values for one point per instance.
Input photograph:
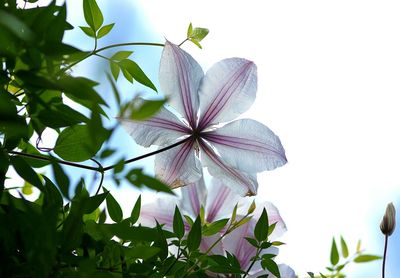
(95, 51)
(384, 256)
(99, 168)
(253, 261)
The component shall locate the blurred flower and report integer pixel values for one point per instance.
(389, 220)
(234, 152)
(218, 203)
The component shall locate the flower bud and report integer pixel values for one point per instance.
(389, 220)
(252, 207)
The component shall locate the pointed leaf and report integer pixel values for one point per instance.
(261, 228)
(88, 31)
(121, 55)
(178, 226)
(92, 13)
(366, 258)
(215, 227)
(62, 179)
(334, 253)
(136, 210)
(26, 172)
(113, 208)
(136, 72)
(345, 250)
(271, 266)
(105, 30)
(194, 236)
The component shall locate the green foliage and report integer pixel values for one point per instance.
(196, 35)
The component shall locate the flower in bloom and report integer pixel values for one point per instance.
(218, 203)
(233, 152)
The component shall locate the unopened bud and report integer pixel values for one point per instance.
(389, 220)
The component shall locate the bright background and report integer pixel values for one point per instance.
(328, 74)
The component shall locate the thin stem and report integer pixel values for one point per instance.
(253, 261)
(149, 154)
(99, 168)
(384, 256)
(95, 51)
(183, 42)
(101, 173)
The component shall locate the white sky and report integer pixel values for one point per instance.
(329, 87)
(328, 74)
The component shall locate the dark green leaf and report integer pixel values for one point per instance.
(136, 210)
(334, 253)
(94, 202)
(113, 208)
(271, 266)
(161, 242)
(194, 236)
(366, 258)
(26, 172)
(252, 241)
(92, 13)
(61, 179)
(178, 226)
(16, 26)
(136, 72)
(345, 250)
(141, 252)
(104, 30)
(261, 228)
(215, 227)
(88, 31)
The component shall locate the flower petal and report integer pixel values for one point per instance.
(241, 183)
(193, 197)
(228, 89)
(207, 241)
(248, 145)
(180, 76)
(284, 270)
(162, 210)
(163, 128)
(220, 201)
(178, 166)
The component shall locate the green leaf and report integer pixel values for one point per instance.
(261, 228)
(105, 30)
(141, 252)
(194, 236)
(136, 210)
(62, 179)
(345, 250)
(26, 172)
(199, 34)
(75, 144)
(189, 30)
(136, 72)
(252, 241)
(142, 109)
(215, 227)
(139, 179)
(16, 26)
(366, 258)
(161, 242)
(92, 13)
(334, 253)
(121, 55)
(271, 266)
(178, 226)
(88, 31)
(94, 202)
(115, 69)
(113, 208)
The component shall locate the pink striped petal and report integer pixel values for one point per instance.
(220, 201)
(178, 166)
(228, 89)
(180, 77)
(273, 217)
(248, 145)
(163, 128)
(241, 183)
(162, 210)
(193, 197)
(208, 241)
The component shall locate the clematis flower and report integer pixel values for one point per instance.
(218, 203)
(233, 152)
